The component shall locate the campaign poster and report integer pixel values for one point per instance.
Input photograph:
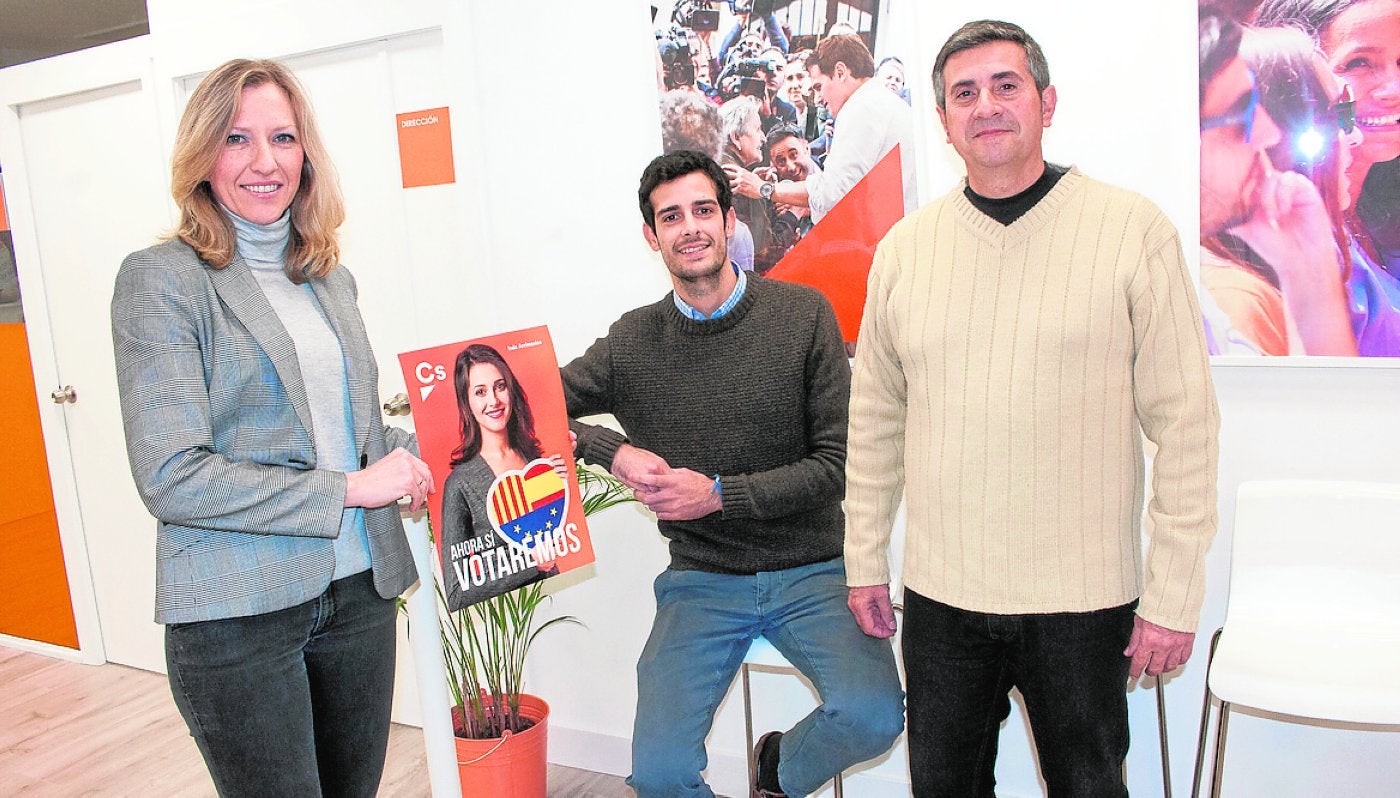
(492, 426)
(1300, 180)
(821, 161)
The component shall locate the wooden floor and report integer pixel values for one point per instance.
(75, 730)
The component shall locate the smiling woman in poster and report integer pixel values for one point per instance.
(498, 435)
(1361, 40)
(249, 400)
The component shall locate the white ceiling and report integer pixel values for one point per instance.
(34, 29)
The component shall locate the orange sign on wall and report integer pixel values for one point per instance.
(425, 148)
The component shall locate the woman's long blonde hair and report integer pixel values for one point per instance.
(317, 208)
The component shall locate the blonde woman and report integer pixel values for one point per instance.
(249, 402)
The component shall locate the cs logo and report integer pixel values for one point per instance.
(429, 376)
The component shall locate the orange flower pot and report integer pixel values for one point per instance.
(512, 766)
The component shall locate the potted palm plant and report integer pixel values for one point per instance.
(500, 731)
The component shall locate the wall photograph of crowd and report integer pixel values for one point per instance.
(789, 98)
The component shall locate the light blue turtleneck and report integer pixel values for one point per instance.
(322, 365)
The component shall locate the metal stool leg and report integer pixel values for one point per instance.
(748, 723)
(836, 785)
(1205, 719)
(1162, 734)
(1215, 776)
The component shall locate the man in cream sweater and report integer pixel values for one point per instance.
(1020, 337)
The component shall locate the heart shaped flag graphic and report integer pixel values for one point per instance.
(528, 506)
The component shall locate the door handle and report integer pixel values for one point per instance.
(396, 406)
(64, 395)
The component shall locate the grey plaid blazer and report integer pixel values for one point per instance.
(218, 433)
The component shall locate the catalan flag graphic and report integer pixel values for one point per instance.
(523, 504)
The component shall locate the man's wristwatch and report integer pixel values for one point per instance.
(765, 190)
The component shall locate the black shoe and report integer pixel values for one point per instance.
(765, 755)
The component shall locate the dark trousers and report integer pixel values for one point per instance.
(1069, 668)
(293, 702)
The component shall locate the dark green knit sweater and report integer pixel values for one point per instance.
(757, 396)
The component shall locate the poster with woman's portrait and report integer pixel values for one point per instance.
(1300, 177)
(493, 428)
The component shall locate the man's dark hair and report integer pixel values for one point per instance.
(673, 166)
(986, 31)
(1313, 16)
(847, 48)
(1219, 40)
(778, 133)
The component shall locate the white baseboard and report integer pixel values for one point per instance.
(50, 650)
(588, 750)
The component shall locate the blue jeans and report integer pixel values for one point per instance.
(704, 624)
(1070, 670)
(293, 702)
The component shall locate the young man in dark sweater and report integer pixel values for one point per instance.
(733, 391)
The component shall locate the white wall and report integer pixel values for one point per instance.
(553, 108)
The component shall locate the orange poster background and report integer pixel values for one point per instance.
(835, 255)
(34, 603)
(425, 147)
(432, 395)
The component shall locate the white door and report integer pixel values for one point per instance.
(97, 186)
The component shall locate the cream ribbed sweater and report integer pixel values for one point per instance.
(1002, 379)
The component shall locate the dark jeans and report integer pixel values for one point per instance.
(1069, 668)
(293, 702)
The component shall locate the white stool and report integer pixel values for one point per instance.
(763, 655)
(1312, 621)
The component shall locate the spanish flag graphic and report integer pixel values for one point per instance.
(529, 503)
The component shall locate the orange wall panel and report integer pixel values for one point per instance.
(34, 599)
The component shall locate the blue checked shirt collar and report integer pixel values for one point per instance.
(728, 304)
